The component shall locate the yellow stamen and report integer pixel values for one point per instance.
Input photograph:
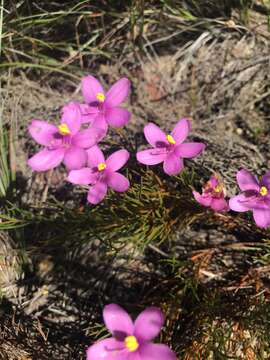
(64, 129)
(131, 343)
(218, 189)
(171, 139)
(101, 166)
(100, 97)
(263, 191)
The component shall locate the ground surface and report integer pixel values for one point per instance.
(208, 272)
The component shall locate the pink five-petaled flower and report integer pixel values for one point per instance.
(131, 341)
(169, 149)
(101, 173)
(213, 195)
(63, 143)
(255, 197)
(104, 109)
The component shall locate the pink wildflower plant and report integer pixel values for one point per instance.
(255, 197)
(64, 143)
(169, 149)
(101, 174)
(213, 195)
(103, 109)
(131, 340)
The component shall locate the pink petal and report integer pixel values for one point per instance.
(150, 157)
(83, 176)
(97, 193)
(117, 182)
(181, 131)
(46, 159)
(116, 160)
(117, 116)
(75, 158)
(90, 88)
(107, 349)
(94, 156)
(148, 324)
(262, 217)
(237, 203)
(189, 150)
(246, 180)
(173, 165)
(203, 200)
(219, 205)
(100, 122)
(88, 112)
(72, 117)
(117, 93)
(266, 180)
(154, 135)
(89, 137)
(42, 132)
(117, 320)
(156, 352)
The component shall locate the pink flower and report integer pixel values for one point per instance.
(131, 341)
(255, 197)
(101, 173)
(104, 109)
(169, 149)
(63, 143)
(213, 195)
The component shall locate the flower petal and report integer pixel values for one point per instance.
(203, 200)
(88, 112)
(154, 135)
(116, 160)
(156, 352)
(117, 320)
(42, 132)
(89, 137)
(75, 158)
(266, 180)
(97, 193)
(246, 180)
(262, 217)
(117, 182)
(148, 324)
(107, 349)
(94, 156)
(90, 88)
(239, 203)
(189, 150)
(46, 159)
(117, 116)
(150, 157)
(83, 176)
(181, 131)
(117, 93)
(100, 122)
(172, 164)
(72, 117)
(219, 205)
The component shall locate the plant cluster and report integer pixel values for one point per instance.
(75, 143)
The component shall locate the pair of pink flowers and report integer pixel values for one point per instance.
(255, 196)
(75, 144)
(131, 340)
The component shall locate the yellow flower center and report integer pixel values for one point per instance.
(101, 166)
(100, 97)
(171, 139)
(263, 191)
(218, 189)
(64, 129)
(131, 343)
